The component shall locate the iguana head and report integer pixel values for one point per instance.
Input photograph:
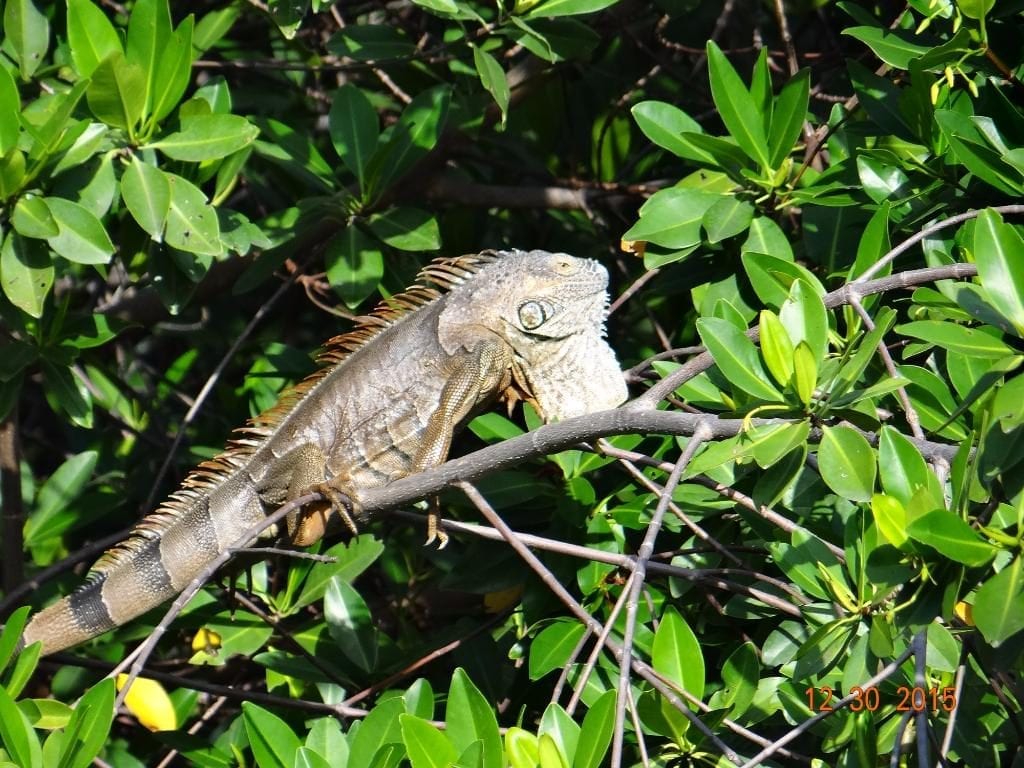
(550, 308)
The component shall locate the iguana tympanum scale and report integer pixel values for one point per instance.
(391, 393)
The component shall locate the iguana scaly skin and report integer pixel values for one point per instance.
(475, 329)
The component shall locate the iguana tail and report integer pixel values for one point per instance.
(164, 553)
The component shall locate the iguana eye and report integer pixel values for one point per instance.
(533, 314)
(564, 267)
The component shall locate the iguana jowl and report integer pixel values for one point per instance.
(500, 324)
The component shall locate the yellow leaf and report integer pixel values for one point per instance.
(150, 704)
(502, 600)
(636, 247)
(964, 612)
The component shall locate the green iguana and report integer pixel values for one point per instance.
(391, 393)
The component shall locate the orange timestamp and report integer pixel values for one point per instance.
(908, 699)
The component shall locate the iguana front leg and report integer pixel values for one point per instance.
(300, 471)
(473, 378)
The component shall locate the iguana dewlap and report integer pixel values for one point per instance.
(386, 403)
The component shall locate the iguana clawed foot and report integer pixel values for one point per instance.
(434, 532)
(311, 523)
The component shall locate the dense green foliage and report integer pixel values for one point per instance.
(821, 543)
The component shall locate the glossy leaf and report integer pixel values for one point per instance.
(553, 646)
(492, 77)
(997, 251)
(18, 737)
(672, 218)
(355, 265)
(10, 104)
(788, 116)
(727, 217)
(86, 731)
(999, 604)
(146, 191)
(352, 123)
(192, 225)
(664, 124)
(82, 237)
(407, 229)
(847, 463)
(91, 35)
(116, 91)
(676, 654)
(737, 109)
(427, 746)
(174, 70)
(470, 718)
(26, 273)
(207, 137)
(27, 31)
(952, 537)
(596, 732)
(273, 743)
(776, 347)
(737, 358)
(549, 8)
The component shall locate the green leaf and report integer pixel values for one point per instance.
(426, 745)
(776, 347)
(737, 358)
(26, 273)
(549, 8)
(412, 137)
(116, 92)
(553, 646)
(727, 217)
(355, 265)
(975, 9)
(27, 31)
(740, 674)
(805, 372)
(997, 251)
(12, 173)
(146, 192)
(149, 32)
(58, 493)
(91, 35)
(521, 748)
(173, 71)
(492, 77)
(192, 225)
(371, 42)
(82, 238)
(596, 732)
(765, 236)
(18, 737)
(439, 6)
(672, 218)
(10, 635)
(350, 624)
(470, 718)
(377, 730)
(207, 137)
(408, 229)
(32, 218)
(893, 46)
(946, 532)
(273, 743)
(736, 107)
(999, 604)
(352, 123)
(676, 654)
(772, 278)
(973, 342)
(788, 117)
(90, 726)
(664, 124)
(847, 463)
(10, 104)
(902, 469)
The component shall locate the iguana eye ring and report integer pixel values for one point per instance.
(533, 314)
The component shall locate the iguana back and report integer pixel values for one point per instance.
(386, 403)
